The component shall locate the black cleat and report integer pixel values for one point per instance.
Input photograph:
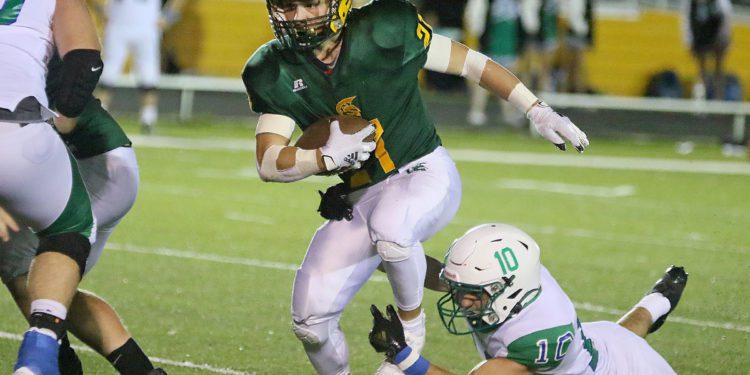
(157, 371)
(670, 285)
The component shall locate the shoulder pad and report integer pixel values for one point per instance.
(389, 18)
(262, 68)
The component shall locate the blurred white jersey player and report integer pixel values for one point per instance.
(133, 28)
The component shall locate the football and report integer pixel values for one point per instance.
(316, 135)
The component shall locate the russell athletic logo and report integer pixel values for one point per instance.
(299, 85)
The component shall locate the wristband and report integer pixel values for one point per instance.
(521, 98)
(411, 363)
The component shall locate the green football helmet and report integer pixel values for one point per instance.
(307, 34)
(498, 265)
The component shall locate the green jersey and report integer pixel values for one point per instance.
(383, 49)
(96, 132)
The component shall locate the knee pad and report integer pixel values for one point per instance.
(73, 245)
(392, 252)
(310, 335)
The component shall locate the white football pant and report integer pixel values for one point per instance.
(406, 209)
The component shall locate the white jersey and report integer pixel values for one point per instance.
(25, 47)
(133, 13)
(546, 336)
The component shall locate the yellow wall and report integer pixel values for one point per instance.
(627, 53)
(215, 37)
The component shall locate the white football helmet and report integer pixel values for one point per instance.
(499, 264)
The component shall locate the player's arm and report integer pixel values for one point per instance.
(278, 161)
(78, 46)
(500, 366)
(448, 56)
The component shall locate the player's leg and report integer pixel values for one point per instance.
(412, 206)
(147, 65)
(112, 180)
(620, 351)
(339, 260)
(41, 185)
(114, 55)
(651, 312)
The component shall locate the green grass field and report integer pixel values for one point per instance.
(201, 269)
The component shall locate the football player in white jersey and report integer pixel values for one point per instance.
(39, 182)
(135, 27)
(521, 320)
(109, 170)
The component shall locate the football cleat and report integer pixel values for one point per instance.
(37, 355)
(670, 285)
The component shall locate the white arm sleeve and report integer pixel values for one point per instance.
(439, 55)
(305, 164)
(277, 124)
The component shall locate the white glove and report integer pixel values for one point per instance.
(551, 125)
(347, 151)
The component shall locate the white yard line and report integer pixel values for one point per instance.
(255, 219)
(378, 278)
(563, 188)
(163, 361)
(550, 159)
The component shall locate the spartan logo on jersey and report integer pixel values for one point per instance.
(347, 107)
(299, 85)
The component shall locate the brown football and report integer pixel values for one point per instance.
(316, 135)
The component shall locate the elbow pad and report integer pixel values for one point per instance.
(81, 69)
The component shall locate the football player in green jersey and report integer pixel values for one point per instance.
(521, 320)
(329, 59)
(109, 169)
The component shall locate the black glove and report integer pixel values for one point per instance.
(387, 335)
(333, 203)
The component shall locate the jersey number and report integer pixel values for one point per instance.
(10, 11)
(560, 348)
(424, 31)
(380, 152)
(507, 260)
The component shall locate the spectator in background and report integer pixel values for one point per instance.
(707, 31)
(578, 38)
(496, 23)
(446, 18)
(135, 26)
(538, 42)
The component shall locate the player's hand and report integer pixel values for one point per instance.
(6, 223)
(347, 151)
(552, 125)
(387, 335)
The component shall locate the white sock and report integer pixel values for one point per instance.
(656, 304)
(415, 331)
(49, 306)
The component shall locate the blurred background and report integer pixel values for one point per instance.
(593, 59)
